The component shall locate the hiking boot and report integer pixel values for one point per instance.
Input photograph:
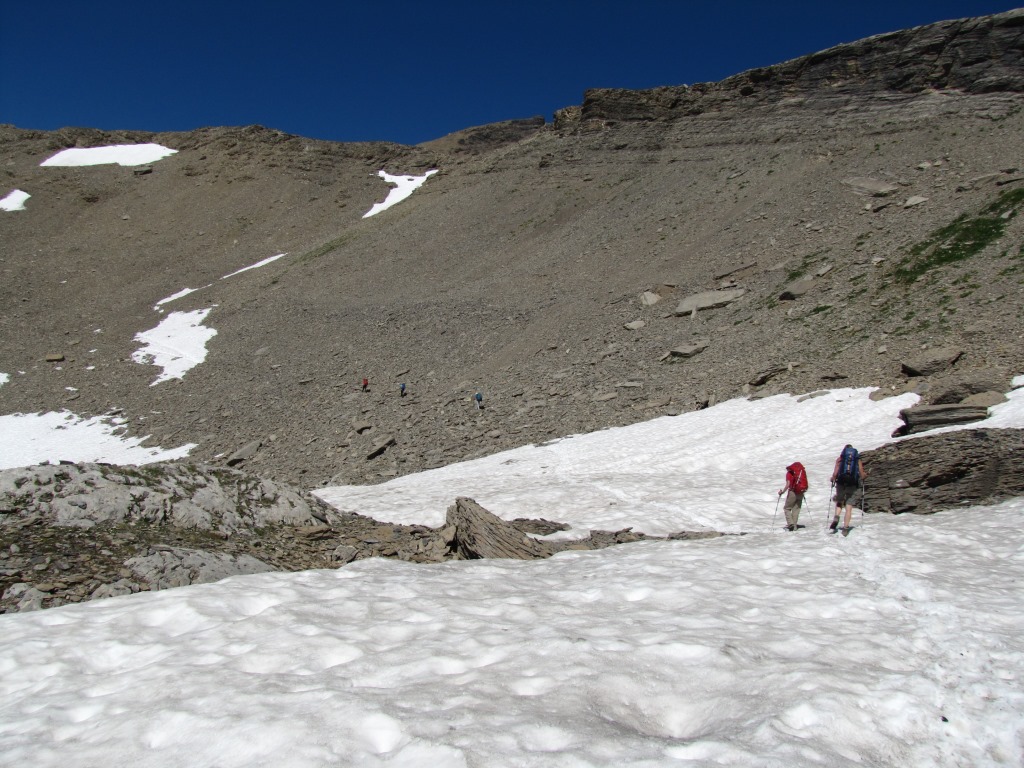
(790, 527)
(835, 524)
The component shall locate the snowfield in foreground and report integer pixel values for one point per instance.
(901, 645)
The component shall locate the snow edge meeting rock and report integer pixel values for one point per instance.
(76, 532)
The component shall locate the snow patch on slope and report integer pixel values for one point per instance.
(121, 154)
(404, 186)
(177, 344)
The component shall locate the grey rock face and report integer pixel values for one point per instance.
(166, 567)
(953, 54)
(928, 474)
(188, 496)
(480, 534)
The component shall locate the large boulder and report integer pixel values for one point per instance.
(181, 495)
(932, 361)
(479, 534)
(927, 474)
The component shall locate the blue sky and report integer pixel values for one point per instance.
(398, 71)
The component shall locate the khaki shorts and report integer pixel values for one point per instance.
(846, 494)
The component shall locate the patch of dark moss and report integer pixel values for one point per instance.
(961, 239)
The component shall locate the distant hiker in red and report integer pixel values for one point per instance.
(366, 385)
(796, 485)
(848, 478)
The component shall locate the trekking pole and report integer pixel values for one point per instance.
(828, 509)
(776, 514)
(863, 491)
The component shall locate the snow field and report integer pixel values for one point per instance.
(719, 468)
(762, 650)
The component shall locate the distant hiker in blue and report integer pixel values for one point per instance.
(401, 390)
(848, 478)
(479, 401)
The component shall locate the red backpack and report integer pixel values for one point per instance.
(796, 477)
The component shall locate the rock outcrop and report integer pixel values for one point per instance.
(481, 534)
(953, 55)
(183, 495)
(931, 473)
(71, 533)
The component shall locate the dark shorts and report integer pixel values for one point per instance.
(846, 493)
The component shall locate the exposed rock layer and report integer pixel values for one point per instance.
(931, 473)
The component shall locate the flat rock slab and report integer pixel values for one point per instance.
(921, 418)
(687, 350)
(708, 300)
(182, 495)
(963, 387)
(865, 185)
(380, 446)
(244, 453)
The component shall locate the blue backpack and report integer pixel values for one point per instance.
(849, 466)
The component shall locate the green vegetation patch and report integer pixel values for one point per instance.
(962, 238)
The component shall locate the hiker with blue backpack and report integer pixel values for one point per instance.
(848, 479)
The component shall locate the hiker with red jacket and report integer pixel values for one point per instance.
(796, 484)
